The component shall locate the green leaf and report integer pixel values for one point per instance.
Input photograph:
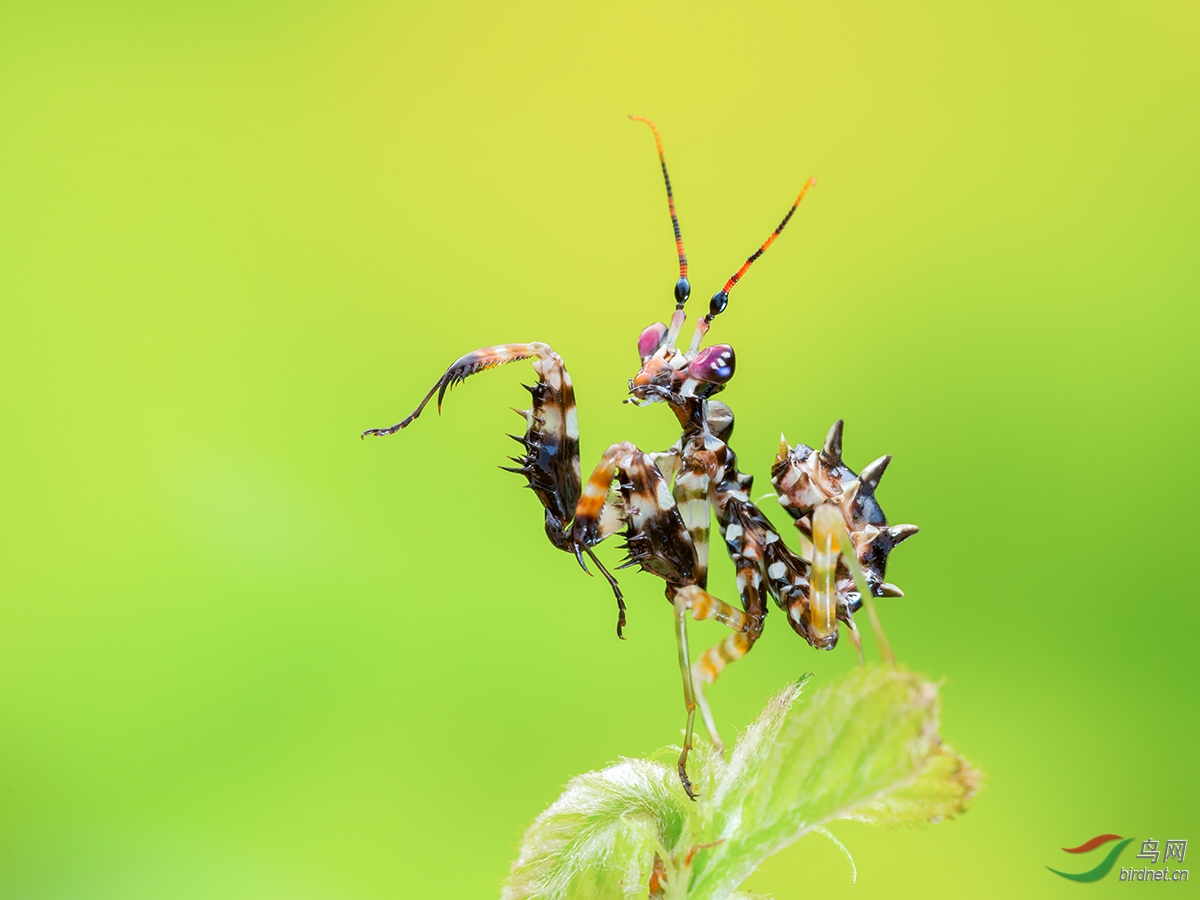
(865, 747)
(599, 839)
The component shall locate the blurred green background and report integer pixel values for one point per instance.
(245, 655)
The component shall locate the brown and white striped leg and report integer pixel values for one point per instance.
(551, 439)
(744, 529)
(550, 463)
(691, 495)
(702, 605)
(656, 538)
(709, 666)
(744, 543)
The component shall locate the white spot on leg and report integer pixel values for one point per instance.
(551, 419)
(665, 500)
(695, 514)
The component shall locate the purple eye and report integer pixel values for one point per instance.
(714, 364)
(649, 340)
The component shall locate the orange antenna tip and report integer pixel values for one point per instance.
(683, 287)
(720, 299)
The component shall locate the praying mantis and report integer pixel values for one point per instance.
(663, 502)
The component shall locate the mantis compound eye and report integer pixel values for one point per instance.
(650, 339)
(713, 365)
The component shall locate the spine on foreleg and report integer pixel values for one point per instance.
(551, 441)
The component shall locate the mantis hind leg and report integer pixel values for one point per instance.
(689, 691)
(702, 605)
(714, 660)
(745, 531)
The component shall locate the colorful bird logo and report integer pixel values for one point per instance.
(1105, 865)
